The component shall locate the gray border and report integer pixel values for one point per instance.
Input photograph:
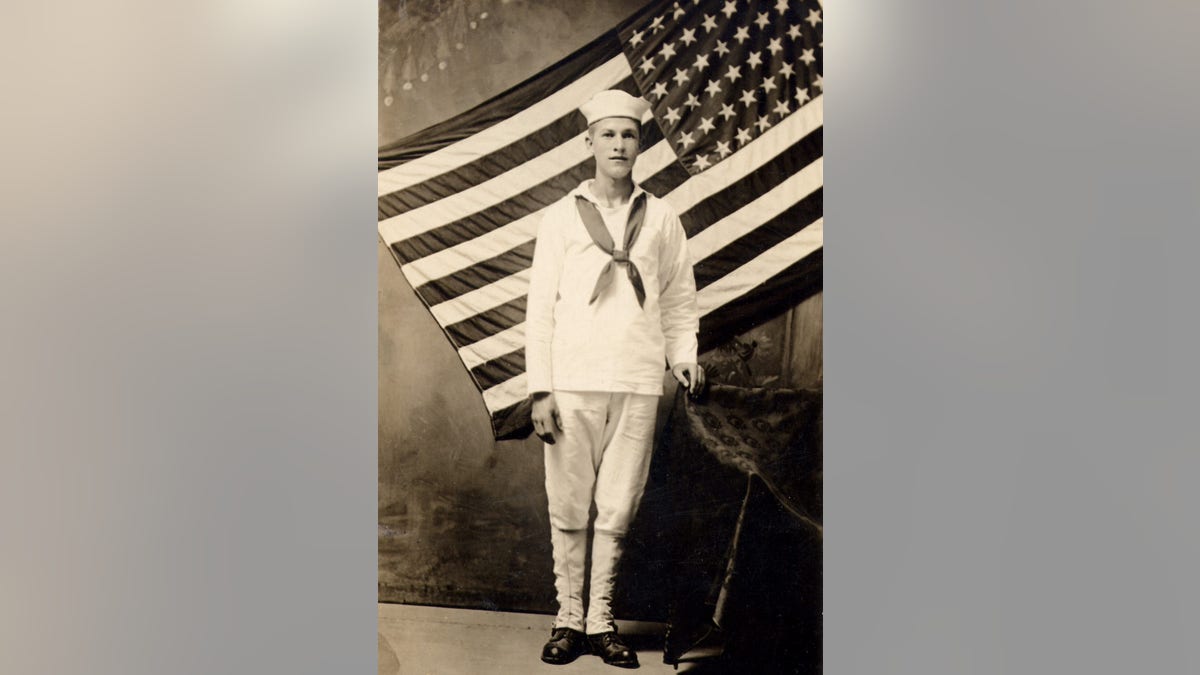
(1011, 209)
(188, 424)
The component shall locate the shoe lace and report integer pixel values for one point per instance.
(611, 640)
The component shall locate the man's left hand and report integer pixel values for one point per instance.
(690, 375)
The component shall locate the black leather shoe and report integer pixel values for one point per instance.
(610, 647)
(565, 645)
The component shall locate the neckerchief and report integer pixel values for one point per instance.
(594, 223)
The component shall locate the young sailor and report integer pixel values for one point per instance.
(611, 299)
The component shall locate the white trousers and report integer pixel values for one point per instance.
(602, 455)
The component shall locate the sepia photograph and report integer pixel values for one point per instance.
(561, 408)
(600, 336)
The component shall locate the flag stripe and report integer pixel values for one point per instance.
(462, 256)
(748, 246)
(750, 187)
(480, 170)
(512, 421)
(505, 132)
(504, 187)
(665, 181)
(799, 281)
(657, 157)
(757, 271)
(506, 393)
(491, 218)
(483, 299)
(488, 323)
(500, 370)
(494, 346)
(767, 205)
(478, 275)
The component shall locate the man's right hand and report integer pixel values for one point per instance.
(546, 420)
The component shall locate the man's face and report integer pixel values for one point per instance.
(614, 143)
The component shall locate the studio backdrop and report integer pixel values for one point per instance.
(473, 148)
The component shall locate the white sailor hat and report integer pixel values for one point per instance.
(614, 103)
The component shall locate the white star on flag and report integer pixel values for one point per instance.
(710, 23)
(702, 162)
(807, 57)
(775, 46)
(748, 97)
(755, 59)
(781, 6)
(668, 50)
(743, 135)
(681, 76)
(768, 85)
(730, 8)
(814, 17)
(723, 149)
(706, 124)
(713, 88)
(727, 112)
(733, 73)
(689, 36)
(762, 20)
(742, 34)
(672, 115)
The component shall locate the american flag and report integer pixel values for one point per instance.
(734, 144)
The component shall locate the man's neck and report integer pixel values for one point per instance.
(610, 192)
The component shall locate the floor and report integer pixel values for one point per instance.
(416, 640)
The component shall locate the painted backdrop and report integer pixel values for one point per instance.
(462, 517)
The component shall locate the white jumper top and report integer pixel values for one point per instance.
(612, 345)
